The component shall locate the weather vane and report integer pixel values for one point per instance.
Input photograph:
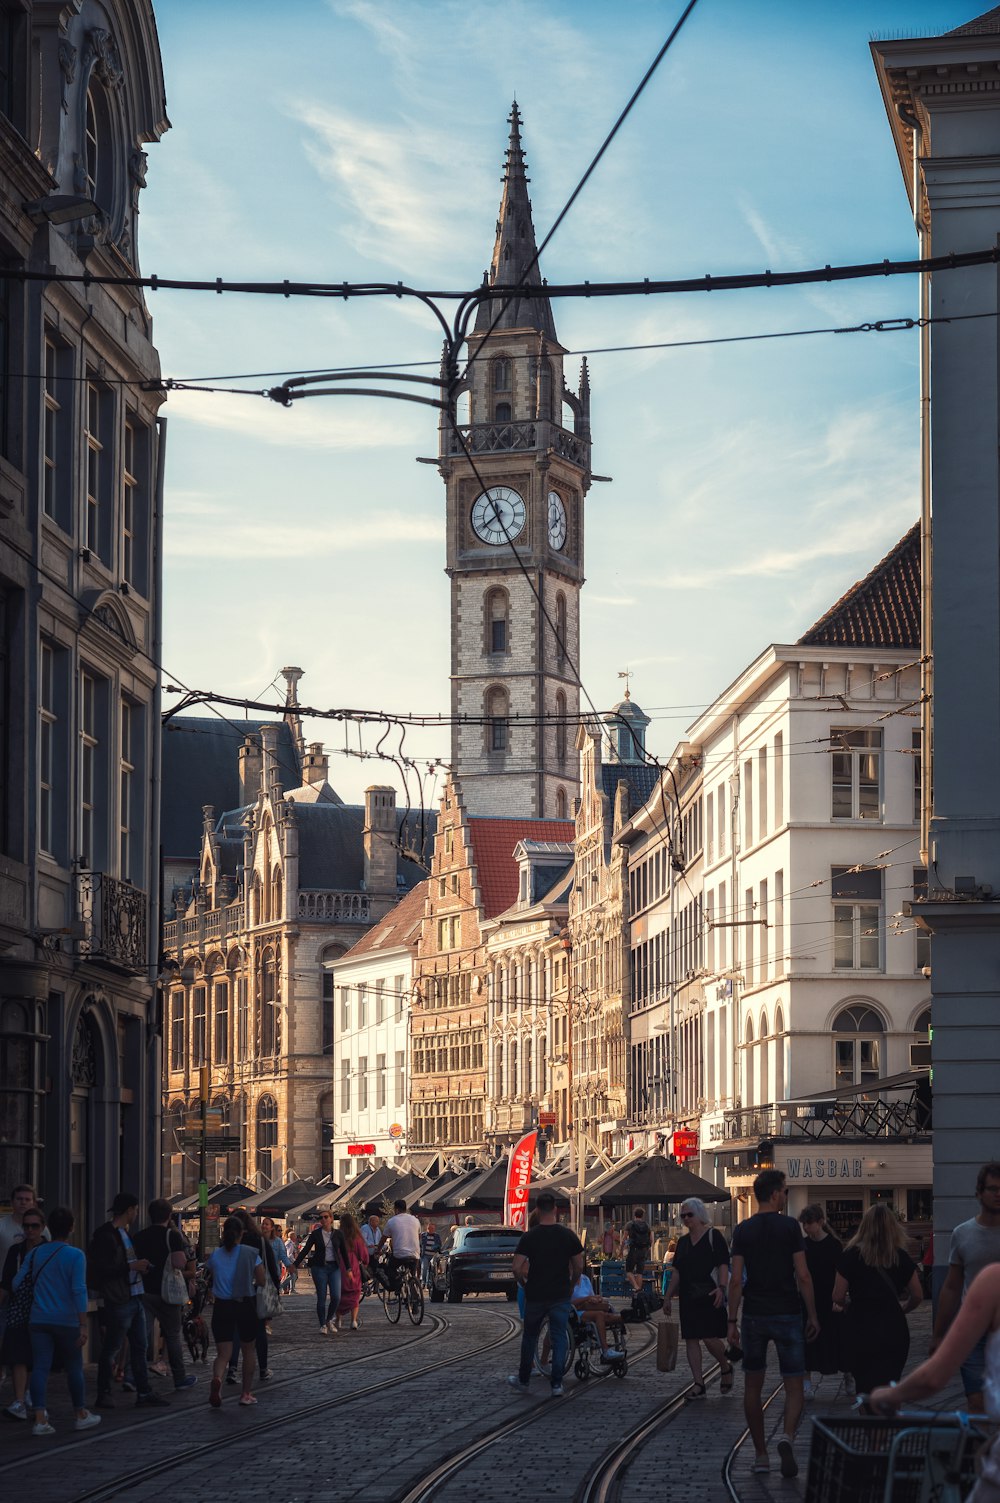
(626, 674)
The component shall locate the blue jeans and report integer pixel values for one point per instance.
(128, 1319)
(45, 1341)
(535, 1312)
(425, 1269)
(326, 1277)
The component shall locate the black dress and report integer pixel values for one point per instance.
(878, 1337)
(15, 1350)
(822, 1261)
(695, 1264)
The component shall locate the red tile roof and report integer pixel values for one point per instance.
(493, 842)
(881, 610)
(401, 925)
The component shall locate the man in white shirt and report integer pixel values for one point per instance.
(402, 1237)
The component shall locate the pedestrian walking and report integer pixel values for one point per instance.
(236, 1272)
(15, 1351)
(975, 1245)
(548, 1261)
(430, 1243)
(55, 1289)
(637, 1242)
(253, 1236)
(272, 1236)
(350, 1275)
(976, 1324)
(22, 1198)
(769, 1248)
(115, 1273)
(823, 1250)
(324, 1247)
(882, 1282)
(609, 1241)
(158, 1245)
(292, 1245)
(699, 1275)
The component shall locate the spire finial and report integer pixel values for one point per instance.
(515, 254)
(626, 674)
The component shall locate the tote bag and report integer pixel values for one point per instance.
(173, 1285)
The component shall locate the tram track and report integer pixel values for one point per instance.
(439, 1324)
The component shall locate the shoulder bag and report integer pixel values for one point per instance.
(267, 1295)
(173, 1285)
(23, 1297)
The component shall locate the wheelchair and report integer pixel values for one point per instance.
(584, 1349)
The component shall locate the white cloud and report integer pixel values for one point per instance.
(309, 423)
(286, 540)
(612, 600)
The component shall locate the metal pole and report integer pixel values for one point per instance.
(203, 1162)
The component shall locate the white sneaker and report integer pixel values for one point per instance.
(42, 1427)
(515, 1382)
(87, 1421)
(331, 1329)
(18, 1410)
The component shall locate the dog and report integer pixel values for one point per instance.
(196, 1336)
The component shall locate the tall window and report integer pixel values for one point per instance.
(220, 1052)
(764, 1095)
(57, 403)
(561, 803)
(328, 1012)
(779, 922)
(498, 725)
(129, 792)
(497, 621)
(764, 935)
(380, 1080)
(857, 1041)
(51, 760)
(135, 506)
(380, 1000)
(326, 1135)
(561, 728)
(345, 1086)
(177, 1029)
(269, 1004)
(857, 918)
(267, 1136)
(399, 1083)
(362, 1004)
(199, 1031)
(922, 940)
(242, 1017)
(916, 745)
(762, 791)
(501, 374)
(93, 794)
(561, 643)
(97, 517)
(857, 774)
(779, 781)
(747, 793)
(363, 1083)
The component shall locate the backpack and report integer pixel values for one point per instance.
(23, 1297)
(640, 1235)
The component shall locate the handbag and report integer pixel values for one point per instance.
(666, 1346)
(173, 1285)
(23, 1297)
(267, 1294)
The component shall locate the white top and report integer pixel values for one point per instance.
(584, 1288)
(373, 1235)
(404, 1230)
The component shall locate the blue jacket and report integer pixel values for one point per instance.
(60, 1284)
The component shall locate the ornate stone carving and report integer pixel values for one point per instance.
(100, 51)
(84, 1062)
(67, 67)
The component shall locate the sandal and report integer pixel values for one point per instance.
(696, 1391)
(726, 1380)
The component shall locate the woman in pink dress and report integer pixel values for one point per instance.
(350, 1282)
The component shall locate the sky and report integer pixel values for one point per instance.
(336, 140)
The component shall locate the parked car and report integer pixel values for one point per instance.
(475, 1260)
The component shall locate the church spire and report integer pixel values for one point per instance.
(515, 252)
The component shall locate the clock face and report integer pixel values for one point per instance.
(557, 520)
(498, 515)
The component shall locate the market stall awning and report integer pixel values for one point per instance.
(285, 1198)
(649, 1181)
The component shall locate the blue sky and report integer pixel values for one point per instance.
(351, 140)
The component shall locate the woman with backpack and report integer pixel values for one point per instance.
(52, 1285)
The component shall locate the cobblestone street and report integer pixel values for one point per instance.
(371, 1415)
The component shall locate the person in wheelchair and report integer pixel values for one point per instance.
(590, 1308)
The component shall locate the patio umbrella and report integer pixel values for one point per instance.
(227, 1196)
(285, 1198)
(650, 1180)
(443, 1197)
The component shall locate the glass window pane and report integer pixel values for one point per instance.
(843, 937)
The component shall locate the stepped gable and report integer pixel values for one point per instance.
(400, 926)
(881, 610)
(493, 841)
(201, 766)
(986, 25)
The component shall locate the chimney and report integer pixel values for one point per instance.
(250, 769)
(315, 766)
(270, 771)
(380, 837)
(292, 717)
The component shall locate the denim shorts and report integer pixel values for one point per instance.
(973, 1369)
(788, 1335)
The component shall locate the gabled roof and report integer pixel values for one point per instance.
(493, 841)
(881, 610)
(988, 24)
(401, 926)
(201, 766)
(640, 776)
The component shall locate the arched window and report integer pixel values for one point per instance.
(561, 643)
(268, 1003)
(501, 374)
(497, 723)
(240, 993)
(857, 1037)
(512, 1070)
(177, 998)
(256, 905)
(763, 1095)
(561, 806)
(267, 1137)
(98, 158)
(779, 1055)
(544, 389)
(561, 728)
(922, 1026)
(276, 896)
(497, 621)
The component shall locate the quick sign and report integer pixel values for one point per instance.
(360, 1150)
(685, 1144)
(827, 1168)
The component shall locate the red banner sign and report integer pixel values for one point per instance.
(685, 1144)
(515, 1199)
(361, 1150)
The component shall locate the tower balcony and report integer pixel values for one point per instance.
(518, 438)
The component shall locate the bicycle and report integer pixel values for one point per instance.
(406, 1292)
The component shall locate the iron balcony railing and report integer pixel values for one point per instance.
(518, 437)
(115, 920)
(904, 1112)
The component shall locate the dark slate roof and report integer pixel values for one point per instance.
(881, 610)
(201, 766)
(640, 776)
(331, 848)
(988, 24)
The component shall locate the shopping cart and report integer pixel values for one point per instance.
(916, 1456)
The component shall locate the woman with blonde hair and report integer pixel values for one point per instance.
(350, 1270)
(823, 1252)
(700, 1273)
(880, 1280)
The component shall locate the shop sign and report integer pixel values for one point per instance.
(395, 1130)
(361, 1150)
(685, 1144)
(825, 1168)
(546, 1119)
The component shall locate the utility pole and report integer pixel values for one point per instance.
(203, 1160)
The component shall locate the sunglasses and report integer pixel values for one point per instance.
(687, 1215)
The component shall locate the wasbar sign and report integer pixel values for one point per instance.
(825, 1168)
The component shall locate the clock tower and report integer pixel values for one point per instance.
(515, 537)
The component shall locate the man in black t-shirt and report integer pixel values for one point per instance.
(770, 1247)
(158, 1242)
(548, 1262)
(638, 1238)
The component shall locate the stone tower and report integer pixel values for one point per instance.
(515, 536)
